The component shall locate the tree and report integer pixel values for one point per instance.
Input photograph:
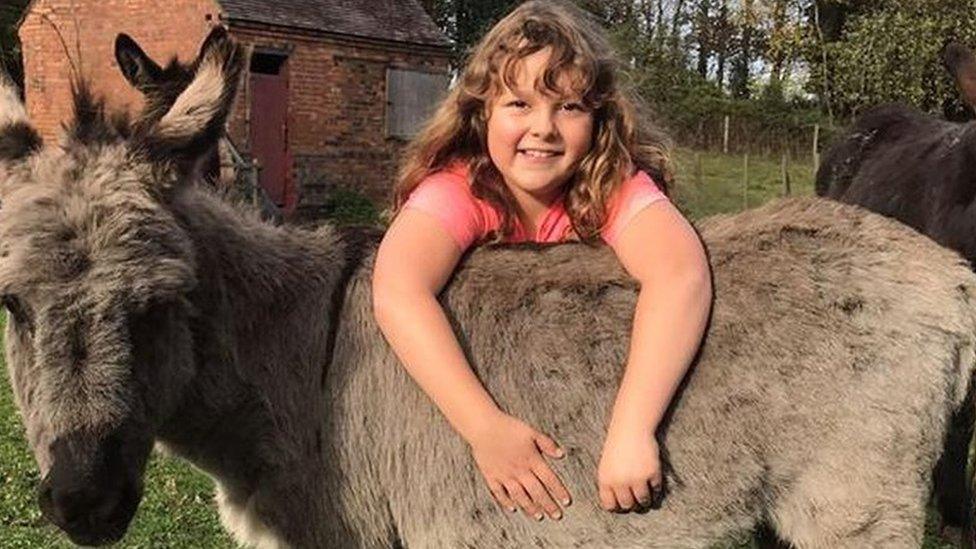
(782, 41)
(889, 50)
(466, 21)
(748, 36)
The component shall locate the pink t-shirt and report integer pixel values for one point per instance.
(447, 196)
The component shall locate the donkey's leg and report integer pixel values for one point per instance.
(952, 489)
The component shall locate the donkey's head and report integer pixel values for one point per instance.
(961, 64)
(95, 269)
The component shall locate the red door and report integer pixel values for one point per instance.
(269, 128)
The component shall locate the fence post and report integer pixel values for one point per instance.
(255, 180)
(725, 137)
(745, 182)
(786, 175)
(816, 148)
(699, 172)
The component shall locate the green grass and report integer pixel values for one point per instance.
(710, 183)
(351, 208)
(178, 509)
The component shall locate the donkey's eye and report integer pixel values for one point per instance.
(16, 310)
(148, 305)
(150, 312)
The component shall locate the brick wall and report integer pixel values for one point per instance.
(176, 30)
(336, 115)
(337, 86)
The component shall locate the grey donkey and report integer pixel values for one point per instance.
(143, 309)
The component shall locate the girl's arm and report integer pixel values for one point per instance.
(661, 250)
(414, 261)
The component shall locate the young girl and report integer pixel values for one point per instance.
(539, 142)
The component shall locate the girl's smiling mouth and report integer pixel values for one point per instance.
(539, 153)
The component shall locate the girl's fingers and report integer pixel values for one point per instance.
(607, 500)
(642, 494)
(552, 483)
(656, 482)
(541, 497)
(501, 496)
(521, 497)
(624, 498)
(548, 446)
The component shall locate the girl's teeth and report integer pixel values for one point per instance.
(538, 154)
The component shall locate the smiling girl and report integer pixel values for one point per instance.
(539, 142)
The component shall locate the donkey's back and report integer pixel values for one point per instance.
(904, 164)
(911, 166)
(818, 404)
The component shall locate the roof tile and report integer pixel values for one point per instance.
(397, 20)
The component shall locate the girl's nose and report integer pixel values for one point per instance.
(542, 124)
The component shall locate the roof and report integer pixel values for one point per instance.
(390, 20)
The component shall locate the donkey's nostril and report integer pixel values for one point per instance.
(74, 505)
(107, 509)
(89, 515)
(77, 505)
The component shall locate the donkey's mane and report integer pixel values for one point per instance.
(92, 123)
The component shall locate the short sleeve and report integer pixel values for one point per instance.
(634, 195)
(447, 197)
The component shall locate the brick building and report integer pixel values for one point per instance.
(334, 86)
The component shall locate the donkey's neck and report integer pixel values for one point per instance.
(267, 303)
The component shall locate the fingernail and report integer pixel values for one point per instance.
(557, 516)
(560, 453)
(566, 502)
(512, 509)
(538, 517)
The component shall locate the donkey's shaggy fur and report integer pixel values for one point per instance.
(915, 168)
(143, 308)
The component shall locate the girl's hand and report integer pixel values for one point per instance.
(509, 454)
(629, 471)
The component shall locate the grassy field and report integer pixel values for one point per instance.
(709, 184)
(178, 510)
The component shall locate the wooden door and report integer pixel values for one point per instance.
(269, 127)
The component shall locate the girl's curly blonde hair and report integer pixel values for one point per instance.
(622, 140)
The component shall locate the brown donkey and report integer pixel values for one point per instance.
(144, 309)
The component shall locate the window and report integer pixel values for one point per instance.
(411, 96)
(267, 63)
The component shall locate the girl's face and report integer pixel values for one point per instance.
(537, 140)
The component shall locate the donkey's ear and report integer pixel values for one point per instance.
(196, 119)
(218, 36)
(141, 71)
(958, 59)
(17, 138)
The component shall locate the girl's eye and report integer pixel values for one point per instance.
(517, 103)
(574, 107)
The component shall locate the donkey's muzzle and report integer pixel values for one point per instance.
(93, 488)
